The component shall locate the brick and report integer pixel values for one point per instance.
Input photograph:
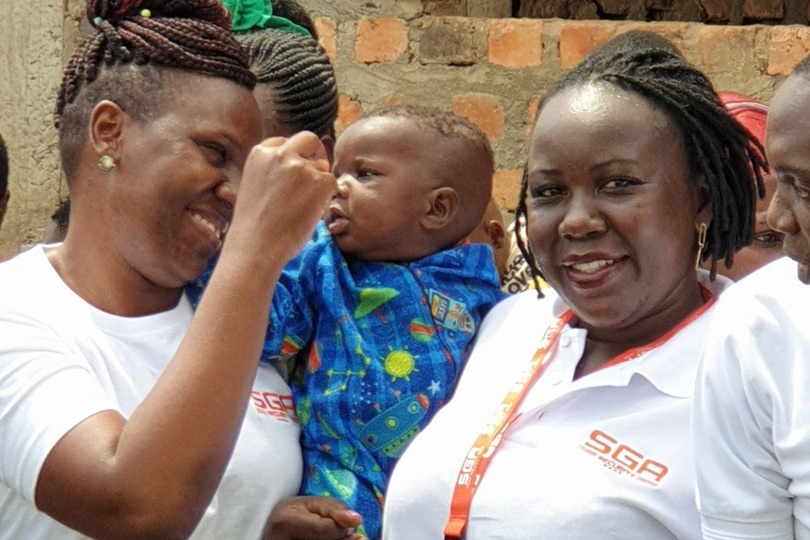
(761, 10)
(453, 41)
(445, 8)
(716, 10)
(493, 9)
(789, 45)
(483, 111)
(380, 40)
(616, 8)
(577, 39)
(515, 43)
(349, 112)
(506, 188)
(674, 10)
(327, 36)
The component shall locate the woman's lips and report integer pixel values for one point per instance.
(592, 272)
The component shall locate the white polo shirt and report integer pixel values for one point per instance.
(605, 456)
(752, 410)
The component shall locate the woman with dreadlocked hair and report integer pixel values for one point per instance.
(571, 419)
(122, 413)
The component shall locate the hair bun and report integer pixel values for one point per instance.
(114, 11)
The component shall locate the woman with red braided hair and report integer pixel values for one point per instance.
(122, 415)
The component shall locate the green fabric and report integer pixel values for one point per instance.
(257, 14)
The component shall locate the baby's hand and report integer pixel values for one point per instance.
(312, 518)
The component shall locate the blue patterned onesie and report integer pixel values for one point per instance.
(378, 349)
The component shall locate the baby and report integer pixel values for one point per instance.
(379, 309)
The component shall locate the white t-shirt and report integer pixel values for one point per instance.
(606, 456)
(752, 410)
(62, 360)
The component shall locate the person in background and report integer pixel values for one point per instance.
(123, 414)
(492, 232)
(571, 419)
(295, 88)
(767, 242)
(752, 408)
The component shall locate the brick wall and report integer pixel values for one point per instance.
(463, 55)
(494, 70)
(708, 11)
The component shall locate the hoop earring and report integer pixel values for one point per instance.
(106, 163)
(701, 243)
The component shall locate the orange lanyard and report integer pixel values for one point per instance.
(488, 441)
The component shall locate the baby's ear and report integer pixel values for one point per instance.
(443, 206)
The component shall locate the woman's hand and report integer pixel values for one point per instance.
(312, 518)
(286, 186)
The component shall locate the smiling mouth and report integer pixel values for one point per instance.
(591, 266)
(216, 231)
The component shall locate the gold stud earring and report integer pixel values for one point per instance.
(701, 243)
(106, 163)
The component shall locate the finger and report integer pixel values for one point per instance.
(309, 146)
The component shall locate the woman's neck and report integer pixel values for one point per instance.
(107, 283)
(604, 344)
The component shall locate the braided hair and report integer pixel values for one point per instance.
(292, 10)
(125, 60)
(300, 77)
(717, 147)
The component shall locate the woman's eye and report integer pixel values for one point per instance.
(769, 240)
(546, 192)
(619, 183)
(215, 153)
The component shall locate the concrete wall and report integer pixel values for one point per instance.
(464, 55)
(32, 40)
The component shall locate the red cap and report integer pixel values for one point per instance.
(747, 111)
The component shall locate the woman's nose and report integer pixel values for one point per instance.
(582, 218)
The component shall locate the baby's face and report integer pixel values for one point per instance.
(386, 169)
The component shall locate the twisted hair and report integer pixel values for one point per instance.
(124, 60)
(300, 76)
(717, 147)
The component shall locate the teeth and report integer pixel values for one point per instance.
(593, 266)
(210, 226)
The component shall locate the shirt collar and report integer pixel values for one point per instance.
(672, 367)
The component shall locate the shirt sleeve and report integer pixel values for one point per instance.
(46, 389)
(742, 492)
(291, 322)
